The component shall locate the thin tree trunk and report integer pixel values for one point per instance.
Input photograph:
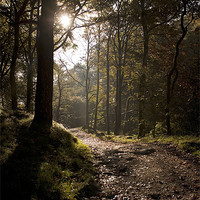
(170, 82)
(18, 14)
(44, 90)
(108, 88)
(118, 81)
(141, 92)
(97, 95)
(87, 87)
(126, 114)
(13, 66)
(29, 103)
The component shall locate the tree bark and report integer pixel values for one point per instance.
(44, 89)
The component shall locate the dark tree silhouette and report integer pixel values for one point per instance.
(44, 89)
(174, 71)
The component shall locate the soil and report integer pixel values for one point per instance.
(140, 171)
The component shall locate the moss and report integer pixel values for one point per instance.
(55, 166)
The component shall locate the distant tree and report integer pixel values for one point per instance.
(31, 52)
(98, 76)
(18, 12)
(141, 92)
(87, 79)
(108, 84)
(121, 37)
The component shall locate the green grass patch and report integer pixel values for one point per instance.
(40, 166)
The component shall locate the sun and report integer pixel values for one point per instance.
(65, 20)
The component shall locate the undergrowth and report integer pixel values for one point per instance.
(40, 166)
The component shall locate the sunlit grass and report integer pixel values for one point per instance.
(188, 143)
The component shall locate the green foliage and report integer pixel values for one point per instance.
(160, 128)
(58, 165)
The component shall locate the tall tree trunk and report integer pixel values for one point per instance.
(13, 65)
(97, 95)
(87, 86)
(141, 92)
(118, 101)
(119, 80)
(44, 90)
(18, 14)
(108, 87)
(170, 82)
(29, 103)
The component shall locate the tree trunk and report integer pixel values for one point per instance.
(118, 81)
(108, 88)
(141, 92)
(97, 95)
(126, 114)
(170, 82)
(13, 65)
(18, 14)
(44, 89)
(29, 103)
(87, 87)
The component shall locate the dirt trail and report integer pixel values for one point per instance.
(142, 171)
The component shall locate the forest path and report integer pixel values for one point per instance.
(140, 171)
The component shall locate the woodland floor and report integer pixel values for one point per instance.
(141, 171)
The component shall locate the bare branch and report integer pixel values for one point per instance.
(71, 74)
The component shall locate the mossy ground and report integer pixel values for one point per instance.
(37, 165)
(188, 143)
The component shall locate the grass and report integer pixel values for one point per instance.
(40, 166)
(188, 143)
